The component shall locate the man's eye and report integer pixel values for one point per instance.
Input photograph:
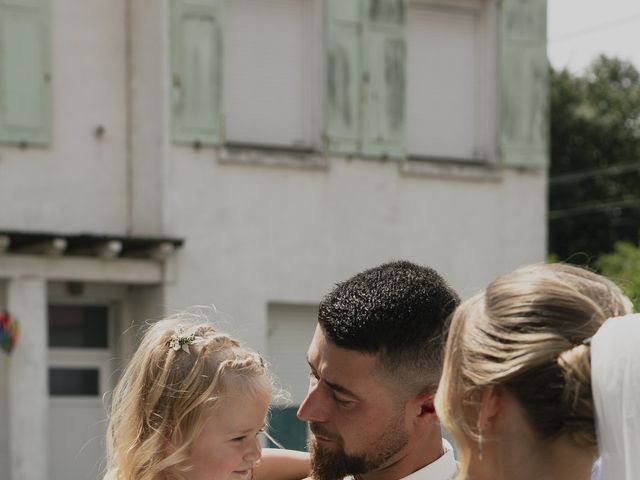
(343, 402)
(239, 439)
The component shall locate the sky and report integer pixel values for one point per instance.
(579, 30)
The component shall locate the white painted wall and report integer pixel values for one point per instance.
(27, 380)
(4, 399)
(265, 234)
(4, 415)
(78, 183)
(149, 83)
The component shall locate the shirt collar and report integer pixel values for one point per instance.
(444, 468)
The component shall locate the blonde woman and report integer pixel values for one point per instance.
(190, 406)
(516, 387)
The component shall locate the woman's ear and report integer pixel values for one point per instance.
(490, 405)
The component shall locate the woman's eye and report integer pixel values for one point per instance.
(238, 439)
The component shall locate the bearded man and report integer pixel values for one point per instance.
(376, 359)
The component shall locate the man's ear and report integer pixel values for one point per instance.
(425, 402)
(490, 405)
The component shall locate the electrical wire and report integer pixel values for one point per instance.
(579, 176)
(595, 28)
(593, 208)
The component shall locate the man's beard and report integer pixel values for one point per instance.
(334, 464)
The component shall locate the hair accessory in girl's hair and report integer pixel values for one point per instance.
(261, 360)
(181, 341)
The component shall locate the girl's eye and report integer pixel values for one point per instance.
(242, 438)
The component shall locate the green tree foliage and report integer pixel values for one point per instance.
(623, 267)
(594, 189)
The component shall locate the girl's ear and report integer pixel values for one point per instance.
(490, 405)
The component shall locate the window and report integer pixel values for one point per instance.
(267, 71)
(268, 60)
(448, 94)
(78, 338)
(78, 326)
(418, 78)
(241, 72)
(74, 382)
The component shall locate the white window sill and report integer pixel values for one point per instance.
(273, 156)
(456, 169)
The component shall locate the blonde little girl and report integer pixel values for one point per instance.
(190, 406)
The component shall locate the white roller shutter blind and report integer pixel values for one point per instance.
(266, 90)
(443, 79)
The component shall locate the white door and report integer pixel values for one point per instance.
(80, 355)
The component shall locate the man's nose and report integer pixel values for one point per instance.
(314, 408)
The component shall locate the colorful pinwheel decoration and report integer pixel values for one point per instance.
(8, 332)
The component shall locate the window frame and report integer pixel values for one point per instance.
(82, 357)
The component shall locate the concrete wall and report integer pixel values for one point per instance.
(254, 233)
(149, 80)
(273, 230)
(4, 416)
(4, 406)
(267, 234)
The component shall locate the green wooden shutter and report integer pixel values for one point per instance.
(344, 75)
(524, 84)
(196, 68)
(384, 52)
(25, 78)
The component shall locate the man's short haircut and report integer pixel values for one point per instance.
(398, 310)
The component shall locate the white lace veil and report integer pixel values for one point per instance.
(615, 375)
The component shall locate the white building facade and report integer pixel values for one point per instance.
(158, 154)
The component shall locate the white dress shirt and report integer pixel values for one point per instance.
(444, 468)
